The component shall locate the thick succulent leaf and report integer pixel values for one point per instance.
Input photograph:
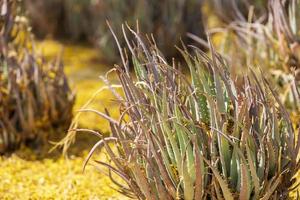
(254, 177)
(245, 187)
(224, 186)
(199, 172)
(234, 169)
(273, 187)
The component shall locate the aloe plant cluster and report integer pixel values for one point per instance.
(34, 94)
(207, 136)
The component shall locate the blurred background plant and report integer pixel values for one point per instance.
(34, 94)
(270, 42)
(230, 10)
(85, 20)
(212, 137)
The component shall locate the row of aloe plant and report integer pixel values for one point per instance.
(207, 136)
(34, 94)
(167, 20)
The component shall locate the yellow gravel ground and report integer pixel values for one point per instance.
(26, 177)
(37, 174)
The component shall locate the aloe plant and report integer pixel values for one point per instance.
(34, 94)
(206, 136)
